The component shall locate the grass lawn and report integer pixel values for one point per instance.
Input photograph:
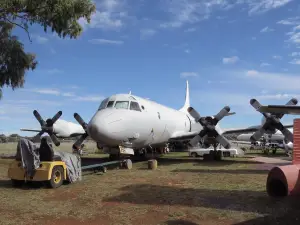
(181, 191)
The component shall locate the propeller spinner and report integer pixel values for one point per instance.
(209, 126)
(47, 127)
(272, 122)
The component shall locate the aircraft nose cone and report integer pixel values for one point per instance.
(103, 127)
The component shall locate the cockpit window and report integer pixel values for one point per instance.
(110, 104)
(135, 106)
(121, 105)
(103, 104)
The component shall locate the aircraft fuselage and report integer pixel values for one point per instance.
(147, 123)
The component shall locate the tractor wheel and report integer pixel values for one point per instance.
(57, 177)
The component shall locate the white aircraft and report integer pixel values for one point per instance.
(126, 124)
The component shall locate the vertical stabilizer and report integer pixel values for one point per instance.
(187, 98)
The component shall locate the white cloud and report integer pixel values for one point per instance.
(290, 21)
(68, 94)
(230, 60)
(295, 62)
(252, 72)
(146, 33)
(190, 30)
(261, 6)
(105, 41)
(294, 54)
(39, 39)
(277, 57)
(278, 96)
(188, 74)
(54, 71)
(266, 29)
(110, 15)
(254, 38)
(274, 81)
(45, 91)
(187, 51)
(192, 11)
(90, 98)
(52, 51)
(265, 64)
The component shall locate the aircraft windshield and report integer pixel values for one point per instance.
(103, 104)
(110, 104)
(121, 105)
(134, 106)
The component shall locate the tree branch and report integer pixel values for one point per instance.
(7, 20)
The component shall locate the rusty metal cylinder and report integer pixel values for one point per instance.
(283, 181)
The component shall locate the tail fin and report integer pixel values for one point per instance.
(187, 98)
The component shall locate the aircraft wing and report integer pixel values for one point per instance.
(280, 109)
(247, 130)
(182, 135)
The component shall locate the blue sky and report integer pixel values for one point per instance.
(230, 51)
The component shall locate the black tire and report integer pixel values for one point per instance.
(57, 176)
(194, 154)
(17, 183)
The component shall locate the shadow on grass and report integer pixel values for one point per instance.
(235, 171)
(199, 161)
(236, 200)
(179, 222)
(286, 219)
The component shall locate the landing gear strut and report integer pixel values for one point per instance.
(214, 154)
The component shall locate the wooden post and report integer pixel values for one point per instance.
(152, 164)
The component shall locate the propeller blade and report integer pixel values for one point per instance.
(222, 113)
(80, 120)
(55, 139)
(256, 105)
(39, 118)
(56, 117)
(223, 141)
(78, 143)
(195, 140)
(257, 135)
(288, 134)
(194, 113)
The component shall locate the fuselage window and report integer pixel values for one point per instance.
(135, 106)
(110, 104)
(121, 105)
(103, 104)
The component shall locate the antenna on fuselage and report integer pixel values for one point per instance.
(187, 98)
(130, 92)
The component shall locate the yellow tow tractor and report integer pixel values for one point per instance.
(51, 169)
(34, 163)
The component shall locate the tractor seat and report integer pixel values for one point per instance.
(46, 151)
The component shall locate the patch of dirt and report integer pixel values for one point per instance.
(103, 220)
(151, 217)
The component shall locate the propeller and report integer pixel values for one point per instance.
(272, 122)
(209, 127)
(80, 140)
(47, 127)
